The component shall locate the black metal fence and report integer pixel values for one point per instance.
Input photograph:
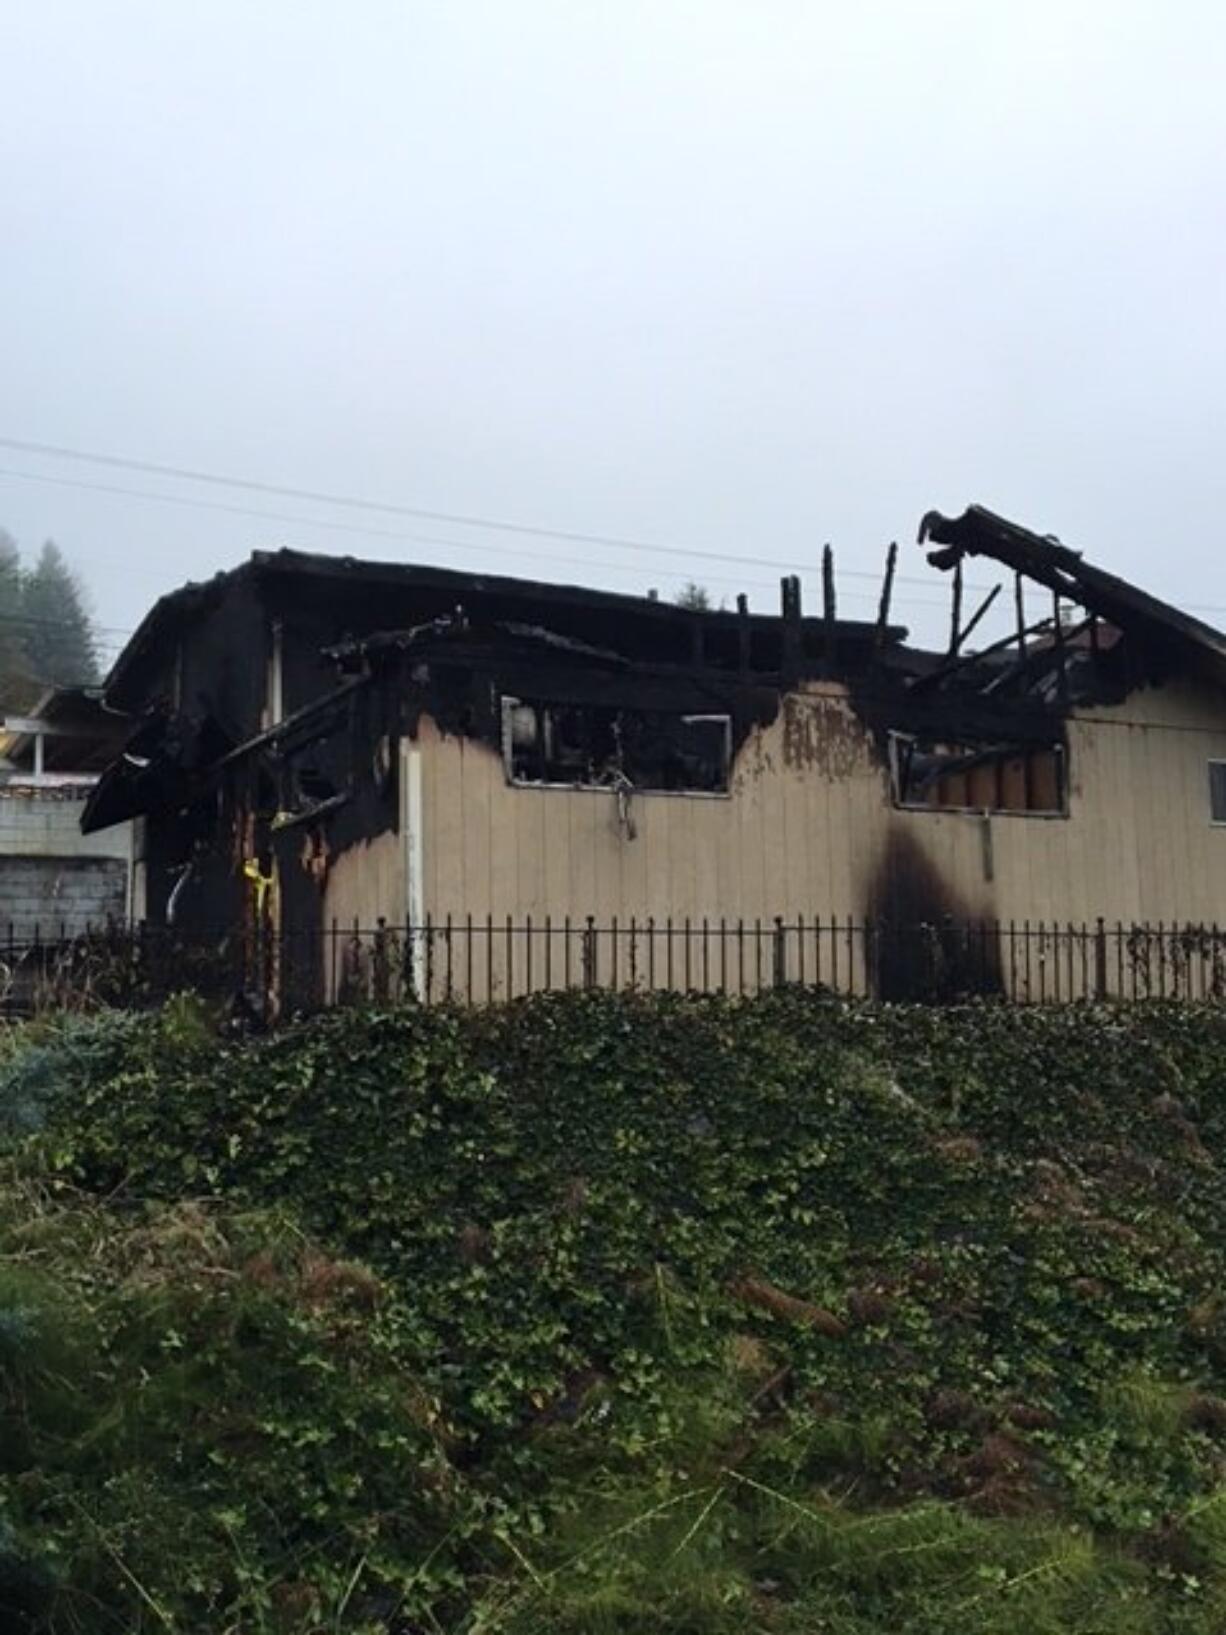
(484, 961)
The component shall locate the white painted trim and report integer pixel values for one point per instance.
(1212, 761)
(25, 726)
(274, 685)
(414, 863)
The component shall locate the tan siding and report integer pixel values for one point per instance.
(808, 828)
(444, 865)
(456, 758)
(366, 882)
(584, 898)
(773, 846)
(529, 894)
(555, 828)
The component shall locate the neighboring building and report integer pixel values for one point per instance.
(53, 878)
(327, 743)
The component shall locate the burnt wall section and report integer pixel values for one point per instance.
(223, 665)
(928, 945)
(821, 736)
(611, 808)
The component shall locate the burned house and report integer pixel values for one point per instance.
(480, 765)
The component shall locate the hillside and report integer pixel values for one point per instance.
(602, 1313)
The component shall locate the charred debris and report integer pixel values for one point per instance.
(270, 702)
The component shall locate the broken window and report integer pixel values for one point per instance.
(979, 776)
(603, 746)
(1217, 791)
(305, 794)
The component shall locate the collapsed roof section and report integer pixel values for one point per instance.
(466, 646)
(476, 641)
(1162, 633)
(364, 597)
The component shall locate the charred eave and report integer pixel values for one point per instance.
(1167, 635)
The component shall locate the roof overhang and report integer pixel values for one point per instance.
(980, 532)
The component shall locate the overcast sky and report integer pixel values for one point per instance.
(737, 275)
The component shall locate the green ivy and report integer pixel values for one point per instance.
(773, 1277)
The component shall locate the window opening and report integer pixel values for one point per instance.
(1217, 791)
(958, 775)
(604, 746)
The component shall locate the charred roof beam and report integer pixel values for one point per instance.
(980, 532)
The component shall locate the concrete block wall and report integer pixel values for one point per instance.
(51, 896)
(51, 875)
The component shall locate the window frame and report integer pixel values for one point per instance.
(511, 701)
(1210, 762)
(899, 735)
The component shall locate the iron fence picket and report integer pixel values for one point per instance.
(277, 972)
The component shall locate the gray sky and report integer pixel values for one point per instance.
(731, 276)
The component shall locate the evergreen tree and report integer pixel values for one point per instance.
(695, 597)
(16, 688)
(58, 641)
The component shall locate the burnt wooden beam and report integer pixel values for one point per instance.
(977, 616)
(1065, 574)
(790, 658)
(286, 728)
(919, 684)
(744, 635)
(311, 814)
(1061, 666)
(1034, 660)
(829, 613)
(887, 591)
(1019, 608)
(955, 716)
(955, 611)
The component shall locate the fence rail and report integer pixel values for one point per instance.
(473, 961)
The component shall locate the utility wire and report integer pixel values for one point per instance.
(355, 502)
(60, 451)
(367, 531)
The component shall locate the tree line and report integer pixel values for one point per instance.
(46, 638)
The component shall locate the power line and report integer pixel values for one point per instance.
(62, 624)
(193, 503)
(496, 524)
(355, 502)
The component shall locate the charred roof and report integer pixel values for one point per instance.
(384, 595)
(1066, 573)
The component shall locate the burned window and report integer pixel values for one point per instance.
(592, 746)
(1217, 791)
(980, 776)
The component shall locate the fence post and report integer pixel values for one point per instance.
(1100, 958)
(381, 965)
(589, 952)
(780, 954)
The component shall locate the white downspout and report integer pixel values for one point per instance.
(415, 893)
